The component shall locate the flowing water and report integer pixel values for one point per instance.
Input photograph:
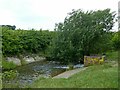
(30, 72)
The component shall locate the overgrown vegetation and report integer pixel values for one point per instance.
(9, 75)
(83, 33)
(71, 40)
(24, 41)
(8, 65)
(0, 80)
(112, 55)
(116, 40)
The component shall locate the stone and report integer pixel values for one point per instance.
(38, 58)
(14, 60)
(28, 59)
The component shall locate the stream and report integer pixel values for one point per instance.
(30, 72)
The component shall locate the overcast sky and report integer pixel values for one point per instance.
(27, 14)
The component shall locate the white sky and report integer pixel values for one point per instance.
(27, 14)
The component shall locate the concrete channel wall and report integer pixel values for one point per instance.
(25, 59)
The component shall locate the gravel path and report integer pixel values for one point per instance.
(69, 73)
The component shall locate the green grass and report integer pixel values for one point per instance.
(0, 81)
(112, 56)
(96, 76)
(8, 65)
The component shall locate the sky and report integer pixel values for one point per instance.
(43, 14)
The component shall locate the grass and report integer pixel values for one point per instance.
(0, 81)
(96, 76)
(8, 65)
(112, 56)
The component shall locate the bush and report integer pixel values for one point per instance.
(116, 41)
(24, 41)
(9, 75)
(7, 65)
(71, 66)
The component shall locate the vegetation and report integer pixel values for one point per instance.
(8, 75)
(71, 40)
(9, 27)
(0, 80)
(23, 41)
(116, 40)
(80, 32)
(97, 76)
(8, 65)
(112, 56)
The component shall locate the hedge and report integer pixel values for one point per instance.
(24, 41)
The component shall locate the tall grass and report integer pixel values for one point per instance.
(112, 56)
(0, 80)
(8, 65)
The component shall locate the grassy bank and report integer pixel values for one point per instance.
(0, 81)
(97, 76)
(112, 56)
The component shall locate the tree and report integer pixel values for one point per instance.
(9, 27)
(82, 33)
(116, 41)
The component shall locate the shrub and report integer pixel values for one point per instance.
(9, 75)
(70, 66)
(8, 65)
(116, 41)
(24, 41)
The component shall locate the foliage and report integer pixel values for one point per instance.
(8, 65)
(9, 75)
(0, 80)
(82, 33)
(112, 55)
(116, 40)
(24, 41)
(9, 27)
(70, 65)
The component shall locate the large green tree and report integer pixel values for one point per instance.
(82, 33)
(10, 27)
